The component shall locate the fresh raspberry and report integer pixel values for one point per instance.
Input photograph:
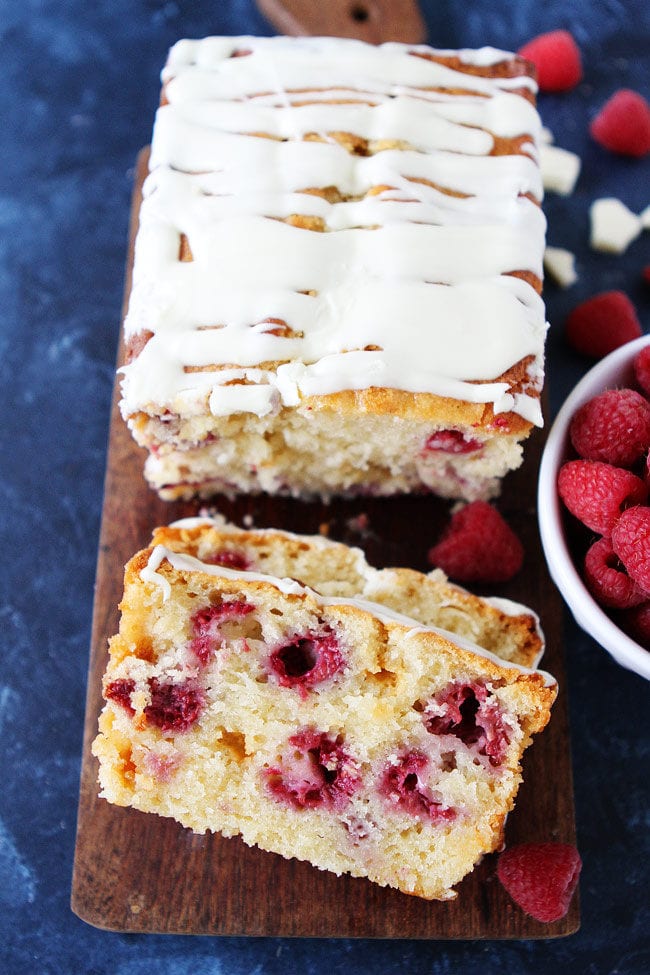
(557, 59)
(645, 274)
(603, 323)
(472, 715)
(318, 771)
(452, 442)
(174, 707)
(207, 625)
(121, 691)
(402, 786)
(541, 877)
(478, 546)
(606, 579)
(631, 542)
(307, 660)
(613, 427)
(641, 368)
(636, 623)
(623, 124)
(596, 493)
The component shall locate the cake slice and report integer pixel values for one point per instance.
(318, 727)
(338, 271)
(503, 627)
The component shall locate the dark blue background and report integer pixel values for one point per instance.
(78, 89)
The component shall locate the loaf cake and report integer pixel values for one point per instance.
(324, 728)
(337, 273)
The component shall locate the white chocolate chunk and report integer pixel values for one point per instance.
(560, 169)
(613, 225)
(560, 264)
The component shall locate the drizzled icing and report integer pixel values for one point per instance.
(407, 288)
(182, 562)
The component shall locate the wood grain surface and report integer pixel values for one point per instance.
(373, 21)
(141, 873)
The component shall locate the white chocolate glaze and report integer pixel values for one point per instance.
(181, 562)
(409, 285)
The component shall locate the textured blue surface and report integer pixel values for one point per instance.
(79, 87)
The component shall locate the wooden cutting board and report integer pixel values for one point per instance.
(141, 873)
(373, 21)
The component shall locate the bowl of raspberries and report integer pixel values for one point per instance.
(594, 504)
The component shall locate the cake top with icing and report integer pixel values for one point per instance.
(421, 211)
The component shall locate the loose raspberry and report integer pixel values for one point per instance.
(636, 623)
(641, 368)
(606, 579)
(472, 715)
(318, 771)
(121, 691)
(541, 877)
(623, 124)
(307, 661)
(596, 493)
(174, 707)
(603, 323)
(478, 546)
(631, 542)
(403, 786)
(452, 442)
(557, 59)
(613, 427)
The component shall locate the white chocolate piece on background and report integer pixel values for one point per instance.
(560, 169)
(613, 225)
(561, 266)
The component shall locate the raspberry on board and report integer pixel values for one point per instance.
(613, 427)
(623, 124)
(641, 366)
(541, 877)
(478, 545)
(556, 57)
(631, 542)
(607, 580)
(602, 323)
(596, 493)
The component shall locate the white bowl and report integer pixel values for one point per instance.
(614, 370)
